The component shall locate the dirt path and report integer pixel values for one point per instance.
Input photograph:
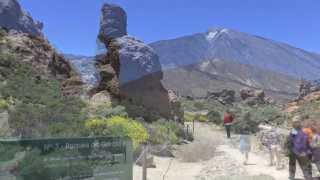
(212, 157)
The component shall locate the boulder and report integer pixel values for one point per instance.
(137, 59)
(246, 93)
(253, 97)
(224, 97)
(113, 22)
(13, 17)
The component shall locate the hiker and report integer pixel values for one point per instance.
(272, 140)
(228, 120)
(245, 144)
(299, 150)
(315, 144)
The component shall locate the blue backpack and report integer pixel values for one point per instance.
(300, 144)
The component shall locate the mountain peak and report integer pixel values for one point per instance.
(212, 33)
(236, 46)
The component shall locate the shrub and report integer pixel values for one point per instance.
(3, 104)
(2, 33)
(33, 166)
(106, 111)
(246, 124)
(189, 116)
(165, 132)
(7, 152)
(119, 126)
(40, 103)
(215, 117)
(202, 118)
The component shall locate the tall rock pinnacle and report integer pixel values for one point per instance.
(134, 65)
(113, 23)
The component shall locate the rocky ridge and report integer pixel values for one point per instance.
(215, 75)
(14, 17)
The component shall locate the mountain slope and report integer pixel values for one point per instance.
(215, 75)
(234, 46)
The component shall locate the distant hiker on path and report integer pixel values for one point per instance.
(299, 150)
(228, 120)
(272, 140)
(245, 144)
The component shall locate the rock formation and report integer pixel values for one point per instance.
(224, 97)
(37, 51)
(13, 17)
(307, 87)
(132, 66)
(253, 97)
(113, 23)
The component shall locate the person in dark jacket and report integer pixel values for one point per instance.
(228, 120)
(299, 150)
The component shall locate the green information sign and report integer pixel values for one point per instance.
(98, 158)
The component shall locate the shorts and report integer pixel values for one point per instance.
(275, 148)
(245, 148)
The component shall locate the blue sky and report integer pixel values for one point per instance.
(72, 25)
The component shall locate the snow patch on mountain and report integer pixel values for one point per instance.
(211, 35)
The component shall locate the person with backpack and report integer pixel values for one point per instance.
(315, 144)
(299, 150)
(227, 121)
(271, 139)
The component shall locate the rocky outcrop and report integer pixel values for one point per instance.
(13, 17)
(131, 63)
(37, 51)
(254, 97)
(224, 97)
(137, 59)
(308, 87)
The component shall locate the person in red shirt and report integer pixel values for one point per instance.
(227, 121)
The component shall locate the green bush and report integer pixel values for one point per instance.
(2, 33)
(215, 117)
(33, 166)
(199, 105)
(118, 126)
(202, 118)
(189, 116)
(246, 124)
(107, 111)
(39, 102)
(3, 104)
(165, 132)
(7, 152)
